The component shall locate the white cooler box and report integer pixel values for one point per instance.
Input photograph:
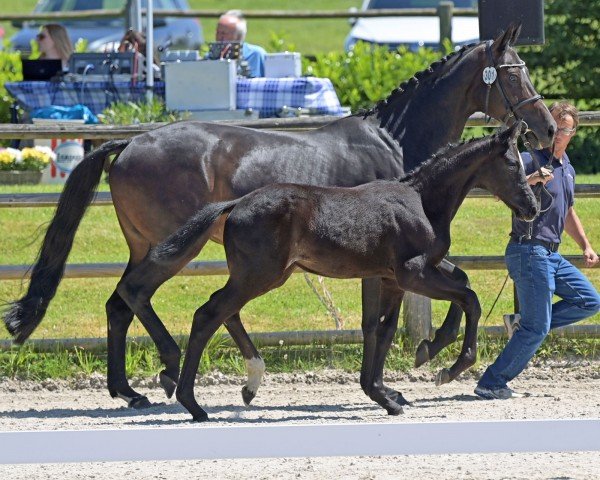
(203, 85)
(285, 64)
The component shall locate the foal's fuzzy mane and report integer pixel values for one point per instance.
(431, 74)
(450, 151)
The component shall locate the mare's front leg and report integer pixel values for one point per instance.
(448, 332)
(378, 335)
(424, 279)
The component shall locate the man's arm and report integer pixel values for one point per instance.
(574, 228)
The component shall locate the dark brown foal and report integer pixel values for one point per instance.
(397, 230)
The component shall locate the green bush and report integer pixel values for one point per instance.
(368, 73)
(127, 113)
(10, 71)
(567, 66)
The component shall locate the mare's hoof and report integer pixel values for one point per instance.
(139, 403)
(394, 410)
(167, 383)
(442, 377)
(422, 355)
(201, 417)
(247, 395)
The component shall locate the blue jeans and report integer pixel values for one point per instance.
(538, 275)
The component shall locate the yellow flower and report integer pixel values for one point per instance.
(7, 160)
(32, 159)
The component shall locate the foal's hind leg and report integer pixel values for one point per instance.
(378, 335)
(255, 365)
(448, 332)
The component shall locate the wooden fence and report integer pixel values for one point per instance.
(417, 309)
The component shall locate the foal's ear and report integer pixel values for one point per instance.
(507, 38)
(515, 130)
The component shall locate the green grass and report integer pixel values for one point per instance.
(308, 36)
(480, 228)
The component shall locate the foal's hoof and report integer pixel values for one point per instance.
(247, 395)
(442, 377)
(396, 396)
(201, 417)
(422, 355)
(139, 403)
(167, 383)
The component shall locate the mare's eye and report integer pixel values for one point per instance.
(512, 77)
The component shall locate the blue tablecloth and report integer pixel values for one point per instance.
(266, 95)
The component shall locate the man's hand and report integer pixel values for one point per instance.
(535, 177)
(590, 257)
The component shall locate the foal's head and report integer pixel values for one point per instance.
(502, 173)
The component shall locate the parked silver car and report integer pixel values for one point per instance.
(412, 32)
(104, 33)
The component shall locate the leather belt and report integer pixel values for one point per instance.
(553, 247)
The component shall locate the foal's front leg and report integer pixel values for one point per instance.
(448, 332)
(381, 300)
(427, 280)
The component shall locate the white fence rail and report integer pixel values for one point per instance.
(279, 441)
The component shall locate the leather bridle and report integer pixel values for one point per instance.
(490, 75)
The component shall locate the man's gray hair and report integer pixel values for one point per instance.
(241, 27)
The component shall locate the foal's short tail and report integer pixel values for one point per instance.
(180, 243)
(24, 315)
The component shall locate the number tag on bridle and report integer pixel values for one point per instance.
(489, 75)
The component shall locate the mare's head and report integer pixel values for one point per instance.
(503, 175)
(511, 95)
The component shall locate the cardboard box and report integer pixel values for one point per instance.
(285, 64)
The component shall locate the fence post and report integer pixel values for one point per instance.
(417, 317)
(445, 14)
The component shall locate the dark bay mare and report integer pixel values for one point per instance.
(160, 178)
(396, 230)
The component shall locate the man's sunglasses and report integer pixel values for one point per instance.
(567, 131)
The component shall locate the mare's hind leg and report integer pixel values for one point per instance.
(255, 365)
(448, 332)
(429, 281)
(119, 317)
(378, 335)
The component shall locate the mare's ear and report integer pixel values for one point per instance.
(506, 39)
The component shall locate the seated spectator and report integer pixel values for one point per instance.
(232, 28)
(54, 43)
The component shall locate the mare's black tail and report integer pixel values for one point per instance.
(24, 315)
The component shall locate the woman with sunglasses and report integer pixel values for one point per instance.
(537, 269)
(54, 43)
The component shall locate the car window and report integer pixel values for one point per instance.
(374, 4)
(70, 5)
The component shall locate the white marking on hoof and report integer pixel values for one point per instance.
(256, 369)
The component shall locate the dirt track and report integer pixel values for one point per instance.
(558, 390)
